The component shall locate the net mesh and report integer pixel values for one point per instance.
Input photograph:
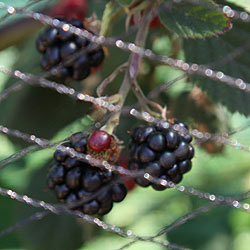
(208, 71)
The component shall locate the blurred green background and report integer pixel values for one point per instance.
(216, 169)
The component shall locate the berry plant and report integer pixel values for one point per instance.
(124, 124)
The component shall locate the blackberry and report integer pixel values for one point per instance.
(162, 152)
(57, 46)
(77, 183)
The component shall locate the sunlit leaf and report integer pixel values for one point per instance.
(192, 20)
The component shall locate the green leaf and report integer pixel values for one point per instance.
(15, 19)
(18, 27)
(76, 126)
(125, 2)
(9, 241)
(110, 15)
(242, 3)
(216, 49)
(191, 20)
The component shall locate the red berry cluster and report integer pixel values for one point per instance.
(70, 9)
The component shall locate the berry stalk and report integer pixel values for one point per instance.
(132, 69)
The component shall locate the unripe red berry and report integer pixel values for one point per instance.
(70, 9)
(156, 22)
(99, 141)
(129, 182)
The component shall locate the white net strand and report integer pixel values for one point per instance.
(59, 209)
(230, 57)
(178, 222)
(190, 68)
(34, 148)
(234, 14)
(25, 137)
(227, 10)
(179, 64)
(104, 164)
(196, 133)
(10, 11)
(20, 84)
(60, 88)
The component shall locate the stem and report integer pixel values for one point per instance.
(132, 69)
(123, 92)
(110, 78)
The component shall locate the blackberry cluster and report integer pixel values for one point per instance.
(74, 181)
(58, 45)
(161, 152)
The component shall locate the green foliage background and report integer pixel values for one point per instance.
(144, 211)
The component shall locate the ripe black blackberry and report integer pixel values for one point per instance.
(78, 184)
(57, 46)
(162, 152)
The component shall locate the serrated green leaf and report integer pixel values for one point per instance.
(191, 20)
(214, 49)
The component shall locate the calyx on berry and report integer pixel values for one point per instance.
(103, 146)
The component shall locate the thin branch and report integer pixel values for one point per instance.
(130, 74)
(34, 217)
(201, 210)
(155, 92)
(19, 155)
(60, 88)
(12, 89)
(110, 78)
(182, 220)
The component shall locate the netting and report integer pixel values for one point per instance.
(141, 111)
